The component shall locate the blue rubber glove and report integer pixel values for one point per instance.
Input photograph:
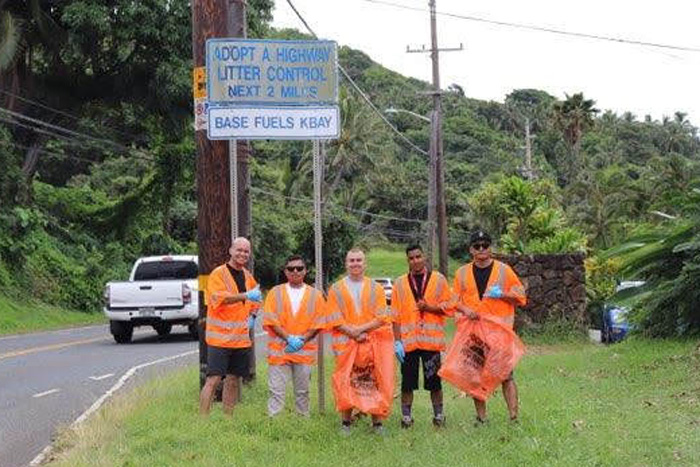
(251, 321)
(399, 351)
(294, 344)
(254, 295)
(494, 292)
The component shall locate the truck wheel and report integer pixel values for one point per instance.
(193, 329)
(163, 329)
(122, 331)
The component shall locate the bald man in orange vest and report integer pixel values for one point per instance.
(358, 305)
(489, 289)
(232, 297)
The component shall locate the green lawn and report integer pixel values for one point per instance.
(636, 403)
(383, 262)
(19, 317)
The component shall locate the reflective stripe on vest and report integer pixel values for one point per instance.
(463, 278)
(422, 338)
(372, 295)
(335, 316)
(339, 296)
(226, 337)
(227, 324)
(506, 321)
(439, 286)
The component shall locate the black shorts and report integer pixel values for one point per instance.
(222, 361)
(409, 371)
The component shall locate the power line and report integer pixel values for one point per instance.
(532, 27)
(360, 91)
(355, 211)
(55, 110)
(49, 153)
(77, 134)
(39, 127)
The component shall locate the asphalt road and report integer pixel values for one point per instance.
(47, 380)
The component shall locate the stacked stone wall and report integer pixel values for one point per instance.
(556, 287)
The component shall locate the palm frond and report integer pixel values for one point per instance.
(10, 39)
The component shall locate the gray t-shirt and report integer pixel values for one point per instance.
(355, 288)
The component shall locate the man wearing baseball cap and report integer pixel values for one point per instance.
(490, 289)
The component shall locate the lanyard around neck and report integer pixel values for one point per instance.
(424, 284)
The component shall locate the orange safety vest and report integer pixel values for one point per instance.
(424, 331)
(227, 325)
(495, 309)
(278, 312)
(342, 310)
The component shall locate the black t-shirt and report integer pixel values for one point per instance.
(239, 277)
(481, 277)
(418, 289)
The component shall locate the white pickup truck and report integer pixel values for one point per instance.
(161, 292)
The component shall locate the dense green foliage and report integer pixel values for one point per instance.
(668, 258)
(80, 206)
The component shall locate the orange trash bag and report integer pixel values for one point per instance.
(481, 357)
(364, 374)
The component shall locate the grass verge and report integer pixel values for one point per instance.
(386, 262)
(20, 317)
(636, 403)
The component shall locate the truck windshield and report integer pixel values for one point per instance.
(165, 270)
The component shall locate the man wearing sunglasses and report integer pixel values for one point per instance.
(420, 302)
(294, 313)
(490, 289)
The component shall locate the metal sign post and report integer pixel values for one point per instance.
(318, 259)
(233, 176)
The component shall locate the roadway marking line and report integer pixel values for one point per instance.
(100, 378)
(19, 353)
(43, 455)
(45, 393)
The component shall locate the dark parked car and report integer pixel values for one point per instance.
(615, 323)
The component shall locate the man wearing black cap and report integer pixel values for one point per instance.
(489, 288)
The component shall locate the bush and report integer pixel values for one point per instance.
(601, 280)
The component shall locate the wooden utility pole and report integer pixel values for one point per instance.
(437, 174)
(213, 227)
(239, 154)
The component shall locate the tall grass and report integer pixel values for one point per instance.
(17, 317)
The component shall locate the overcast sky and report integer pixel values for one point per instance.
(497, 59)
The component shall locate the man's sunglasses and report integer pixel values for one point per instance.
(295, 268)
(481, 246)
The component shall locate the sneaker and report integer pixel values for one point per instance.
(439, 420)
(378, 429)
(345, 430)
(406, 421)
(480, 422)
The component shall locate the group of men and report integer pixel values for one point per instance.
(294, 313)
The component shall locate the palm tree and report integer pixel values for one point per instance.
(668, 258)
(356, 152)
(573, 117)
